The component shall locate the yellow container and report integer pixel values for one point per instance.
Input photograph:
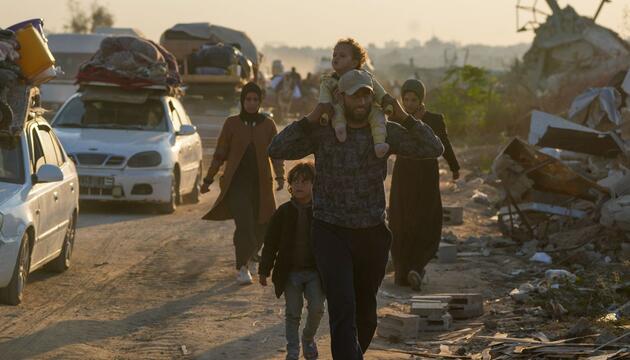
(35, 57)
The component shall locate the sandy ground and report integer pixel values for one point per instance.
(147, 286)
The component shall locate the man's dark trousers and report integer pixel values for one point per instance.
(352, 265)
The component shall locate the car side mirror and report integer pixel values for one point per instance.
(48, 173)
(187, 130)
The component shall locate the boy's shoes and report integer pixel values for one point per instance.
(292, 357)
(309, 349)
(415, 279)
(340, 132)
(244, 277)
(381, 149)
(252, 266)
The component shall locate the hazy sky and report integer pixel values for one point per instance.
(321, 22)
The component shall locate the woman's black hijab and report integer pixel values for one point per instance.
(249, 118)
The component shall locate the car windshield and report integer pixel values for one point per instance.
(147, 116)
(11, 164)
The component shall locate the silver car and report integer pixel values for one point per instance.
(39, 204)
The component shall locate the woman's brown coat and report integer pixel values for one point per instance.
(233, 141)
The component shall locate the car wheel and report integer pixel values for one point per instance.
(13, 293)
(194, 196)
(170, 206)
(62, 263)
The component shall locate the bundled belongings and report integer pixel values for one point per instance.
(9, 72)
(25, 62)
(219, 59)
(131, 62)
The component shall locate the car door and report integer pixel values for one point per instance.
(184, 144)
(40, 194)
(67, 188)
(54, 201)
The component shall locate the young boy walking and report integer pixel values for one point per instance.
(288, 250)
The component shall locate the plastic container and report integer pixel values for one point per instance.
(35, 57)
(38, 24)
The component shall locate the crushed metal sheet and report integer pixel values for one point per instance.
(550, 174)
(551, 131)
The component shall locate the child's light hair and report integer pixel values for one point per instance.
(358, 52)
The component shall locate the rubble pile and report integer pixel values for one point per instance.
(569, 47)
(570, 173)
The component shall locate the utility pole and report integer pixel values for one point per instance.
(599, 9)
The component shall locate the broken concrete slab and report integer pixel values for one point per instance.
(444, 323)
(463, 305)
(447, 253)
(452, 215)
(399, 326)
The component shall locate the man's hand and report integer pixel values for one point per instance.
(280, 183)
(315, 116)
(205, 187)
(399, 113)
(387, 103)
(262, 280)
(455, 175)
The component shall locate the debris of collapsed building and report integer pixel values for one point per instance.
(570, 171)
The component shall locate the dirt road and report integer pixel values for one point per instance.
(147, 286)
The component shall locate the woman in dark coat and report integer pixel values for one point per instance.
(415, 206)
(246, 183)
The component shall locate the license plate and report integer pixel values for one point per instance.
(100, 182)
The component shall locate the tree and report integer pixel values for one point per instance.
(101, 17)
(80, 22)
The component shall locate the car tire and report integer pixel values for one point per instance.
(62, 262)
(170, 206)
(195, 195)
(13, 293)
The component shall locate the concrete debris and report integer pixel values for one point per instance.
(447, 253)
(616, 212)
(571, 47)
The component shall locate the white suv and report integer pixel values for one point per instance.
(39, 204)
(135, 146)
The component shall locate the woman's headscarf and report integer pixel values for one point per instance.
(415, 86)
(256, 117)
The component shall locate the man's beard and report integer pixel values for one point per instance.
(356, 119)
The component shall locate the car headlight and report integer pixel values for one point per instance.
(145, 159)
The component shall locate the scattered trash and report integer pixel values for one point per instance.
(542, 258)
(184, 350)
(554, 276)
(481, 198)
